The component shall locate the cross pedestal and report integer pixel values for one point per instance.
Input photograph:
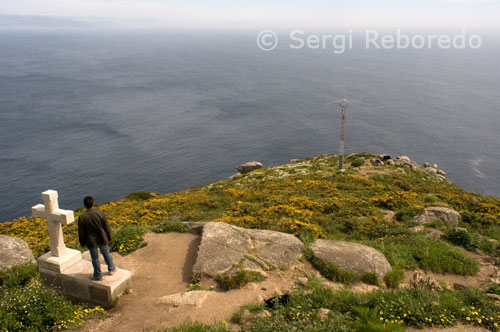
(64, 267)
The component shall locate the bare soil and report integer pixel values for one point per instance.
(164, 267)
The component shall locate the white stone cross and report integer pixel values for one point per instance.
(55, 219)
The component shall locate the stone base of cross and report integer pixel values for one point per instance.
(55, 219)
(64, 267)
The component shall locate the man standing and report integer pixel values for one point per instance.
(95, 234)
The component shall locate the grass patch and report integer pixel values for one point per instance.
(239, 279)
(331, 271)
(370, 278)
(393, 279)
(139, 196)
(170, 226)
(19, 275)
(251, 308)
(411, 251)
(128, 238)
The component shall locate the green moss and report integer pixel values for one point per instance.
(239, 279)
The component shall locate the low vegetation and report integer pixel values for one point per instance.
(377, 311)
(26, 306)
(238, 279)
(311, 199)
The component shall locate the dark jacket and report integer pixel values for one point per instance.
(93, 229)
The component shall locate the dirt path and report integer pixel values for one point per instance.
(164, 267)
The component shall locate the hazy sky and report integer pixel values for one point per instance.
(275, 13)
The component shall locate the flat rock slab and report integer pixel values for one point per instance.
(75, 283)
(223, 246)
(13, 251)
(194, 298)
(435, 213)
(350, 256)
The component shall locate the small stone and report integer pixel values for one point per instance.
(458, 286)
(194, 298)
(249, 166)
(376, 162)
(426, 164)
(434, 234)
(417, 229)
(431, 170)
(302, 280)
(323, 314)
(495, 297)
(385, 157)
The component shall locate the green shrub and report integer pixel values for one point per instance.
(139, 196)
(238, 280)
(19, 275)
(431, 199)
(128, 238)
(393, 279)
(370, 278)
(169, 226)
(357, 162)
(462, 238)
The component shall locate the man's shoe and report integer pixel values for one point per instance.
(112, 272)
(96, 279)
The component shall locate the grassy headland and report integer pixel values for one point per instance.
(312, 199)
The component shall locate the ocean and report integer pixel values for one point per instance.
(107, 113)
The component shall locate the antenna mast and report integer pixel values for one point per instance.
(343, 105)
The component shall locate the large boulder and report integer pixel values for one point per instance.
(13, 251)
(226, 248)
(434, 213)
(350, 256)
(249, 166)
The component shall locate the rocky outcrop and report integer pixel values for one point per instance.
(406, 162)
(351, 257)
(376, 162)
(226, 248)
(249, 166)
(435, 213)
(13, 251)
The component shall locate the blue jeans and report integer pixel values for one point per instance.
(94, 253)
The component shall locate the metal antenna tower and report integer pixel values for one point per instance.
(343, 105)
